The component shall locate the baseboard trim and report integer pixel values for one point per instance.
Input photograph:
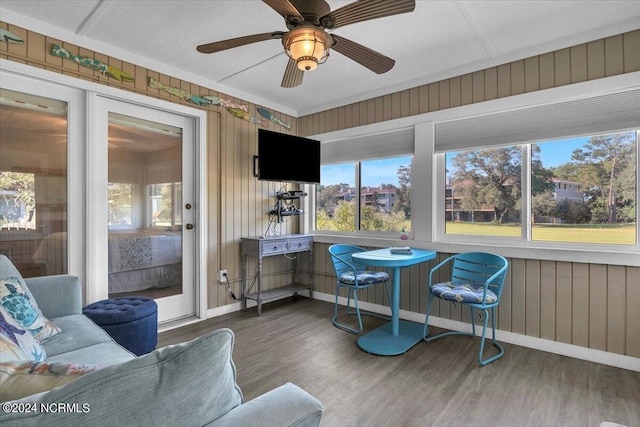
(570, 350)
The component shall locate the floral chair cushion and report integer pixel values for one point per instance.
(463, 292)
(364, 277)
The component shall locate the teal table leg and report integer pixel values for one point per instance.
(396, 336)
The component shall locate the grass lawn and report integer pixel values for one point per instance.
(583, 233)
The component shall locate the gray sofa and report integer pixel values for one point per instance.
(189, 384)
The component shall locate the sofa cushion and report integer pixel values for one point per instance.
(187, 384)
(24, 309)
(22, 378)
(16, 342)
(82, 341)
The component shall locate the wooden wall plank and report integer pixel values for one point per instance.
(580, 305)
(598, 307)
(404, 103)
(517, 77)
(616, 308)
(578, 63)
(504, 308)
(531, 74)
(518, 296)
(455, 92)
(424, 98)
(532, 295)
(443, 94)
(477, 83)
(595, 60)
(632, 301)
(547, 71)
(562, 63)
(563, 302)
(491, 83)
(613, 55)
(548, 300)
(19, 50)
(414, 101)
(631, 51)
(466, 89)
(504, 80)
(434, 95)
(389, 107)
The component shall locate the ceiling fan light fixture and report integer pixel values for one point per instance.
(307, 46)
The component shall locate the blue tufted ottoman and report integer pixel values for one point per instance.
(131, 321)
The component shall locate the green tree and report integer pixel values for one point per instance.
(493, 176)
(327, 197)
(344, 216)
(403, 194)
(17, 190)
(541, 177)
(542, 205)
(604, 157)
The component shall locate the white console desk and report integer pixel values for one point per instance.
(261, 247)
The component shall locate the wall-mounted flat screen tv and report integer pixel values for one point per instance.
(287, 158)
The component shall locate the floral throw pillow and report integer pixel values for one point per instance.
(24, 310)
(16, 342)
(19, 379)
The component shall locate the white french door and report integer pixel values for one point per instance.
(141, 201)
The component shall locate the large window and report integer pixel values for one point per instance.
(581, 190)
(371, 195)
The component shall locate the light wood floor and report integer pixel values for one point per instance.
(434, 384)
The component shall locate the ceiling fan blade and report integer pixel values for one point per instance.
(238, 41)
(284, 8)
(292, 75)
(364, 10)
(376, 62)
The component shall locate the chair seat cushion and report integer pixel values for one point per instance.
(364, 277)
(463, 292)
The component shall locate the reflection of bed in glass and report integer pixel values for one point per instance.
(144, 259)
(138, 260)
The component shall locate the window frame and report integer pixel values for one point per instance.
(428, 167)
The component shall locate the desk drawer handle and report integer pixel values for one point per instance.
(275, 247)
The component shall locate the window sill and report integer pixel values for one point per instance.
(526, 250)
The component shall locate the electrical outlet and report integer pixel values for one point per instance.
(221, 276)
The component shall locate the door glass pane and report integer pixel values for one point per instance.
(145, 208)
(33, 183)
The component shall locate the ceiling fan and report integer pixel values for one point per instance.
(307, 43)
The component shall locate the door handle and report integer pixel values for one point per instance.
(189, 226)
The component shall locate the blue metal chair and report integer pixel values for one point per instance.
(353, 277)
(476, 281)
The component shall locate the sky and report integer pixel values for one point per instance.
(374, 172)
(559, 152)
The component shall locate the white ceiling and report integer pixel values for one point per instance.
(440, 39)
